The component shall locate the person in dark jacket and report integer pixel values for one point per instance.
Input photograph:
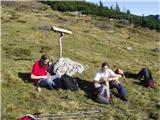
(144, 76)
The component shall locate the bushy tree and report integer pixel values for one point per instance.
(117, 7)
(100, 10)
(128, 12)
(101, 4)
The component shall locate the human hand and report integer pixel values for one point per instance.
(45, 77)
(105, 78)
(48, 75)
(116, 82)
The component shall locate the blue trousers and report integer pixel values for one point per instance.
(49, 84)
(145, 73)
(121, 90)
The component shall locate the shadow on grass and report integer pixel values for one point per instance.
(114, 93)
(26, 77)
(86, 86)
(130, 75)
(137, 83)
(141, 83)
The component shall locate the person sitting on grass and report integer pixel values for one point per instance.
(40, 75)
(105, 76)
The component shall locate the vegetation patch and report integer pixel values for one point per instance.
(45, 49)
(89, 44)
(103, 25)
(20, 53)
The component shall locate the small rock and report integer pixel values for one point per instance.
(129, 48)
(92, 45)
(158, 105)
(158, 70)
(157, 50)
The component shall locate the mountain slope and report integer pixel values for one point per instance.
(94, 40)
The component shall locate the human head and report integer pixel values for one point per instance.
(119, 71)
(104, 66)
(44, 61)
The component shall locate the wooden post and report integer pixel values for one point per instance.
(60, 45)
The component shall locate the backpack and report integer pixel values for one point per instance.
(147, 83)
(102, 94)
(69, 83)
(27, 117)
(150, 83)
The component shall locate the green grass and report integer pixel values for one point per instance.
(88, 45)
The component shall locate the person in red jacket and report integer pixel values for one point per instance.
(40, 75)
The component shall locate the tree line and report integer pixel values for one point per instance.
(100, 10)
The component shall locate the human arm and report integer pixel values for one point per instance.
(96, 80)
(39, 72)
(112, 76)
(38, 77)
(116, 77)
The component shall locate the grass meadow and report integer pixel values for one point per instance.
(91, 44)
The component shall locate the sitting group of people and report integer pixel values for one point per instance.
(104, 80)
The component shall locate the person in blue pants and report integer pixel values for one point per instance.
(121, 90)
(144, 76)
(104, 75)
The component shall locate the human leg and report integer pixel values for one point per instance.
(121, 90)
(57, 83)
(102, 99)
(102, 94)
(147, 75)
(140, 74)
(148, 79)
(46, 83)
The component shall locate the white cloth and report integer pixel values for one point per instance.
(100, 75)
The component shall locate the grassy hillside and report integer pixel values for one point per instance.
(94, 40)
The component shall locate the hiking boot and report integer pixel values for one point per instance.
(38, 89)
(123, 98)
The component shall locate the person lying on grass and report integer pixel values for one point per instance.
(144, 76)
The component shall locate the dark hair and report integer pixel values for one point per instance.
(43, 58)
(117, 71)
(104, 64)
